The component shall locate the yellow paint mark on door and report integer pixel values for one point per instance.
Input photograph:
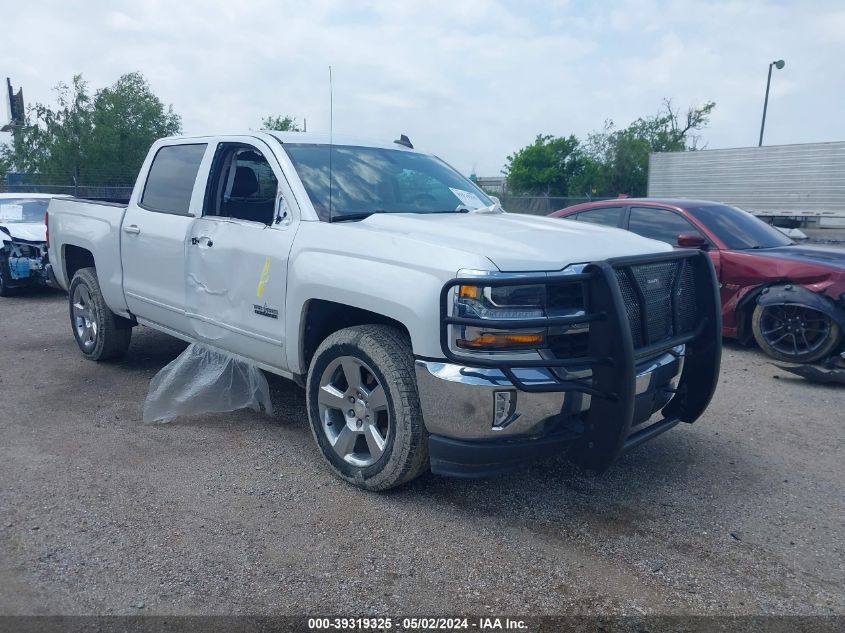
(265, 276)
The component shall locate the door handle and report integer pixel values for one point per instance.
(132, 229)
(195, 241)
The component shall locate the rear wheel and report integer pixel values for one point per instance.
(99, 332)
(795, 334)
(364, 408)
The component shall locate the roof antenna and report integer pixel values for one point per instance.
(331, 136)
(404, 140)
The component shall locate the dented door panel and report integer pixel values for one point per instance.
(236, 282)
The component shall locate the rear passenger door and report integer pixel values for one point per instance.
(155, 226)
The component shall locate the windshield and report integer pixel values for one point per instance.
(14, 210)
(368, 180)
(739, 229)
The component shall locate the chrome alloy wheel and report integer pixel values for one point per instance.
(353, 411)
(84, 317)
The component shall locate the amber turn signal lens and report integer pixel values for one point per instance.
(469, 292)
(504, 340)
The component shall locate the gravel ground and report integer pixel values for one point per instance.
(741, 513)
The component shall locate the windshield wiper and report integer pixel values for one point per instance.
(491, 208)
(361, 215)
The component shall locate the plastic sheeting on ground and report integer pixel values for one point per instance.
(205, 380)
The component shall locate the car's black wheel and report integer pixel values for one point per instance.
(795, 334)
(5, 290)
(364, 408)
(99, 332)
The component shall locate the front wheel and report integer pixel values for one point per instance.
(364, 408)
(795, 334)
(5, 290)
(99, 332)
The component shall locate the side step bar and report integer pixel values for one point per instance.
(649, 432)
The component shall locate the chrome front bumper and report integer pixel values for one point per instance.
(461, 402)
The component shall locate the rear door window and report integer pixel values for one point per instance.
(660, 224)
(606, 216)
(171, 179)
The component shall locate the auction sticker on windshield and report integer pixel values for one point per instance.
(11, 212)
(468, 198)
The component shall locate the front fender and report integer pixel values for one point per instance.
(401, 293)
(791, 294)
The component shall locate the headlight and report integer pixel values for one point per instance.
(500, 303)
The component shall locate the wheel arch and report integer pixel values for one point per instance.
(321, 318)
(794, 294)
(745, 310)
(75, 258)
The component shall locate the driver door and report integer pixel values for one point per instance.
(666, 225)
(238, 254)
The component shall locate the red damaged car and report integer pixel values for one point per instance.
(789, 297)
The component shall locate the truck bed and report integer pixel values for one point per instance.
(90, 226)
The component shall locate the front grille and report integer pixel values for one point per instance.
(686, 304)
(632, 305)
(659, 300)
(564, 298)
(569, 345)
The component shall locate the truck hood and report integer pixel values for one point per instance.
(26, 231)
(514, 242)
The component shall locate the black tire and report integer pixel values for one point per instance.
(383, 358)
(99, 332)
(5, 290)
(809, 347)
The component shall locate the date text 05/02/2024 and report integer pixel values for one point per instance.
(417, 624)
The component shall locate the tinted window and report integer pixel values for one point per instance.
(171, 178)
(660, 224)
(608, 216)
(242, 185)
(368, 180)
(739, 229)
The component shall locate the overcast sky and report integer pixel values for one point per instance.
(470, 80)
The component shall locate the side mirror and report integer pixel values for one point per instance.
(691, 240)
(282, 215)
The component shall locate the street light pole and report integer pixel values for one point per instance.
(779, 64)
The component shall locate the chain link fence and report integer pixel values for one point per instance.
(15, 183)
(541, 205)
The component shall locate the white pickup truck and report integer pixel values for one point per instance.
(429, 328)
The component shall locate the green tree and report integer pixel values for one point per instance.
(619, 157)
(545, 167)
(127, 117)
(90, 140)
(610, 161)
(285, 123)
(52, 143)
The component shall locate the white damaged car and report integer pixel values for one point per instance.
(23, 240)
